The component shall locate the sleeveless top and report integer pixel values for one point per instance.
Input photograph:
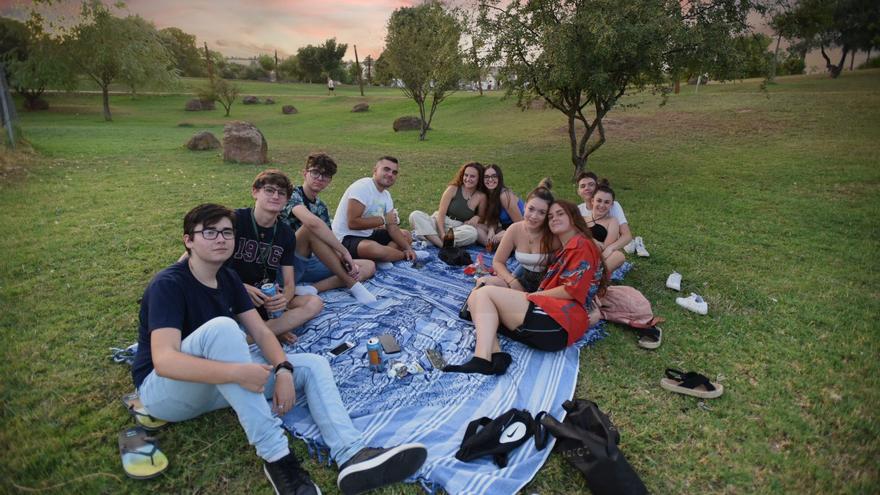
(458, 208)
(504, 217)
(533, 262)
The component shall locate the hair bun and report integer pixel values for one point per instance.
(546, 182)
(603, 182)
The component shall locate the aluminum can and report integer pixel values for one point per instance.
(374, 354)
(269, 290)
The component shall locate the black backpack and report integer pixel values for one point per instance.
(454, 256)
(588, 440)
(500, 436)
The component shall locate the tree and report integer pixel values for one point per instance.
(225, 93)
(368, 67)
(289, 69)
(479, 55)
(33, 59)
(382, 73)
(848, 24)
(184, 52)
(267, 62)
(423, 52)
(316, 63)
(109, 49)
(751, 49)
(581, 56)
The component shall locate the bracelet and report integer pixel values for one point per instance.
(282, 371)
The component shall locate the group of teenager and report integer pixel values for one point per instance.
(199, 315)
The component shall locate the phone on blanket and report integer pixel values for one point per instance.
(389, 344)
(341, 348)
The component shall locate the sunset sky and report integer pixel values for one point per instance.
(246, 29)
(241, 28)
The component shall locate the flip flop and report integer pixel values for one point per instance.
(133, 403)
(141, 457)
(690, 383)
(650, 338)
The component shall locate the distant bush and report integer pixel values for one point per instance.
(871, 63)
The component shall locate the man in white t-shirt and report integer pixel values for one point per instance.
(366, 222)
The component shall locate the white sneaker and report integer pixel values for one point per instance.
(693, 303)
(640, 248)
(674, 281)
(630, 248)
(384, 265)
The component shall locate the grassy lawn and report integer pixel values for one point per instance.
(766, 202)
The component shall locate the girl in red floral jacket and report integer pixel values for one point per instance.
(552, 318)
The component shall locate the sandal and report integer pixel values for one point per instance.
(141, 416)
(690, 383)
(650, 338)
(141, 457)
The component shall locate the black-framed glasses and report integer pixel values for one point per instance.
(318, 175)
(211, 234)
(490, 177)
(272, 191)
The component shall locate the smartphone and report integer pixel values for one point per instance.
(341, 348)
(435, 358)
(389, 344)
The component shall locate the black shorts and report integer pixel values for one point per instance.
(351, 241)
(538, 330)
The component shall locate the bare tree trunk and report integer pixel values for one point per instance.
(852, 59)
(677, 87)
(209, 63)
(357, 68)
(105, 94)
(775, 61)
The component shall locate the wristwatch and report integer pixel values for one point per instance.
(284, 365)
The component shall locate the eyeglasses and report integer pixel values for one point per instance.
(272, 191)
(490, 177)
(318, 175)
(211, 234)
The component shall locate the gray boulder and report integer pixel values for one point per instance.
(193, 105)
(250, 100)
(203, 141)
(207, 104)
(408, 123)
(244, 143)
(269, 101)
(360, 107)
(289, 110)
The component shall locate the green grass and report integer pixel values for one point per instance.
(766, 202)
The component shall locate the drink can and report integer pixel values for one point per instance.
(269, 290)
(374, 353)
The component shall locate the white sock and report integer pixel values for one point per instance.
(305, 290)
(361, 293)
(384, 265)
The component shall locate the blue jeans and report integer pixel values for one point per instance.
(221, 339)
(309, 270)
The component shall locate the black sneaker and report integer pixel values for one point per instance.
(373, 468)
(288, 478)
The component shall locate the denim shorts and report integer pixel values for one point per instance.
(310, 270)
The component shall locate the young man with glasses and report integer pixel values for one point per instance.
(192, 358)
(265, 249)
(321, 260)
(366, 221)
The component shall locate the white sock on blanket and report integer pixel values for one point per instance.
(361, 293)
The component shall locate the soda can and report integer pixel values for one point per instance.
(269, 290)
(374, 354)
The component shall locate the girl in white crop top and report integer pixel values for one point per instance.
(531, 242)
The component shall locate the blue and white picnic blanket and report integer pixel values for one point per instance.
(420, 308)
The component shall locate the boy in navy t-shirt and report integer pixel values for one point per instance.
(193, 358)
(265, 249)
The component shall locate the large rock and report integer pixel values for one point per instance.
(250, 100)
(193, 105)
(408, 123)
(360, 107)
(207, 104)
(203, 141)
(289, 109)
(269, 101)
(244, 143)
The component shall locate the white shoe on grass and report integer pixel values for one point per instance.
(640, 248)
(693, 303)
(674, 281)
(630, 248)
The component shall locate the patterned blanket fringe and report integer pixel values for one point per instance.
(124, 355)
(594, 334)
(429, 486)
(317, 450)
